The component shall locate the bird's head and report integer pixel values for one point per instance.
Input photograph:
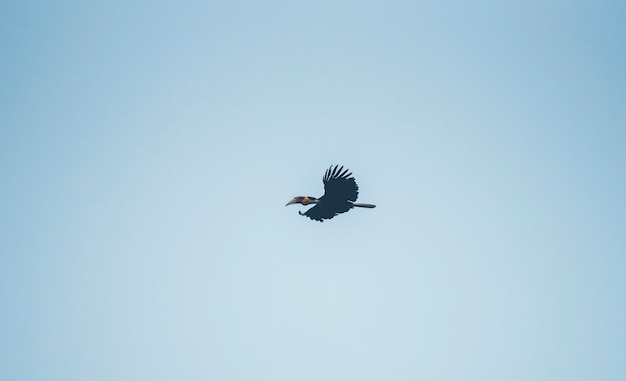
(304, 200)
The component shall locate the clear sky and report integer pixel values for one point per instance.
(147, 150)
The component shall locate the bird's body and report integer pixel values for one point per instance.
(340, 194)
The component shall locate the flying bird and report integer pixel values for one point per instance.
(340, 193)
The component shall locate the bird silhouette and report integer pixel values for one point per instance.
(340, 194)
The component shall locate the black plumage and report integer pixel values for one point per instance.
(340, 194)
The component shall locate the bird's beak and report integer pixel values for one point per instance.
(293, 201)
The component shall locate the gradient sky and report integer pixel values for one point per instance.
(147, 150)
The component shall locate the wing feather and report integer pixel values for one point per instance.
(339, 186)
(340, 192)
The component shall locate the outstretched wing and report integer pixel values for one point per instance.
(340, 194)
(339, 186)
(340, 190)
(321, 212)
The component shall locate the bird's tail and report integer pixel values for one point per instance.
(362, 205)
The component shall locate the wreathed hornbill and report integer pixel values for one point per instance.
(340, 193)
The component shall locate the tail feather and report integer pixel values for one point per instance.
(363, 205)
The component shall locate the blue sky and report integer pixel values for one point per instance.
(147, 151)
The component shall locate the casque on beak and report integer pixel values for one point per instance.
(295, 200)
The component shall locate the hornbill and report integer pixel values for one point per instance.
(340, 193)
